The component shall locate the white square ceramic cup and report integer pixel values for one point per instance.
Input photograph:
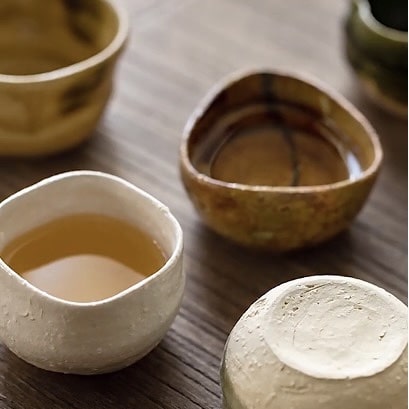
(93, 337)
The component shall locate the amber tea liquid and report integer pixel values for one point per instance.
(84, 257)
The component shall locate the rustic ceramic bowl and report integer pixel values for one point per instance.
(93, 337)
(376, 39)
(56, 68)
(286, 216)
(319, 343)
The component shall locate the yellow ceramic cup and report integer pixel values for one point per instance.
(56, 70)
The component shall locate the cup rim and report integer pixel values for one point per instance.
(171, 261)
(389, 33)
(114, 46)
(334, 95)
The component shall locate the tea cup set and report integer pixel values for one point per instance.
(316, 342)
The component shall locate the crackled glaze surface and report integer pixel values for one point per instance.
(319, 342)
(56, 71)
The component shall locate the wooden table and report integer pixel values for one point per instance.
(178, 49)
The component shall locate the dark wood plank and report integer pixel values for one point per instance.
(178, 49)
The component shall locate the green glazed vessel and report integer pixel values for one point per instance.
(376, 41)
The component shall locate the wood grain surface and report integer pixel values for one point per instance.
(177, 50)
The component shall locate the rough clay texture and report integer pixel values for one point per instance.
(88, 338)
(319, 342)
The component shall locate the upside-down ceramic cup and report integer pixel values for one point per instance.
(376, 42)
(319, 343)
(56, 68)
(91, 337)
(278, 161)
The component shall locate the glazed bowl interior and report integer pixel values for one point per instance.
(42, 36)
(391, 13)
(301, 109)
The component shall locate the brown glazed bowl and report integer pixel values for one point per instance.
(56, 68)
(295, 205)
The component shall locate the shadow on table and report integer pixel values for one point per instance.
(251, 273)
(142, 385)
(234, 277)
(17, 173)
